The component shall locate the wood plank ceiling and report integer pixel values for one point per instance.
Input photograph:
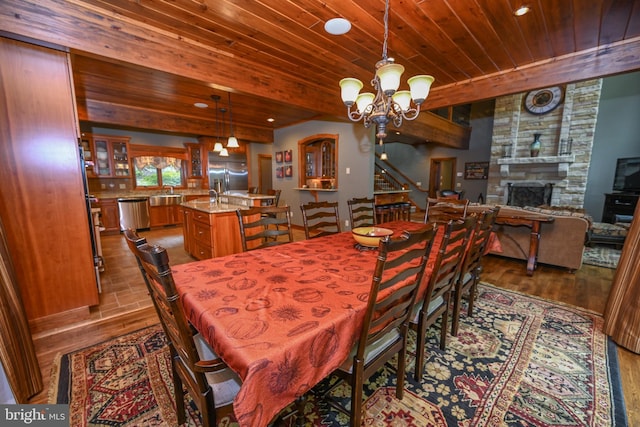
(143, 64)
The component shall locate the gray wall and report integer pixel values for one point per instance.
(355, 151)
(617, 135)
(414, 160)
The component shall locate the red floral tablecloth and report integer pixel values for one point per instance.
(283, 318)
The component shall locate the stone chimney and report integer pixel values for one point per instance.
(566, 140)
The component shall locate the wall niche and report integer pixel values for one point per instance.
(318, 160)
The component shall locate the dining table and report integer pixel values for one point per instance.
(283, 317)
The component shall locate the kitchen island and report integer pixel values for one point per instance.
(210, 228)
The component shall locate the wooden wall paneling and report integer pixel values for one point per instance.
(17, 352)
(622, 314)
(42, 200)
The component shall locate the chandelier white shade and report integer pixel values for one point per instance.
(217, 147)
(388, 104)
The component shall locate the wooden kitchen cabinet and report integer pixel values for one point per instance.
(165, 215)
(209, 235)
(109, 215)
(111, 156)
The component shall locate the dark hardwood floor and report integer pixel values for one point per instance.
(125, 305)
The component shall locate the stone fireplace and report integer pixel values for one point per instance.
(566, 137)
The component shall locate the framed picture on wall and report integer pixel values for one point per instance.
(288, 156)
(280, 172)
(278, 156)
(288, 171)
(476, 170)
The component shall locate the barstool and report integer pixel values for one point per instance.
(394, 212)
(404, 211)
(383, 213)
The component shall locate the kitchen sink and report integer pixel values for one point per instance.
(166, 199)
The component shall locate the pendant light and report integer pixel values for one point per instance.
(232, 142)
(217, 147)
(223, 151)
(383, 156)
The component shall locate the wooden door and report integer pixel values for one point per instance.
(442, 175)
(265, 175)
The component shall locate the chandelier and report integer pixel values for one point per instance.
(389, 104)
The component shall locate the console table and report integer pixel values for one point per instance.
(533, 222)
(618, 204)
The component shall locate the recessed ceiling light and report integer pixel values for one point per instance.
(337, 26)
(271, 120)
(522, 10)
(201, 105)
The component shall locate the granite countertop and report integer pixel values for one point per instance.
(145, 193)
(246, 195)
(205, 205)
(199, 192)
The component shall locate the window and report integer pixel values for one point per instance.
(154, 171)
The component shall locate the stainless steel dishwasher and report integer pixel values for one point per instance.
(134, 213)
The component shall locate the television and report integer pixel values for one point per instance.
(627, 177)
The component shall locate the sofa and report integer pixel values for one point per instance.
(561, 241)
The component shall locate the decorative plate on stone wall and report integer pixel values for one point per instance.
(542, 101)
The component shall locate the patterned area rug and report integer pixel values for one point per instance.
(519, 361)
(601, 256)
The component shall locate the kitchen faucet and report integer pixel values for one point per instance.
(171, 189)
(213, 196)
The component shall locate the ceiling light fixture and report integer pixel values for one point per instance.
(217, 147)
(389, 104)
(337, 26)
(232, 142)
(522, 10)
(384, 156)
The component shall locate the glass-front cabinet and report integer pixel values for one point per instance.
(111, 156)
(318, 160)
(194, 153)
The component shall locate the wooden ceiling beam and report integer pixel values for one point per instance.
(75, 25)
(129, 117)
(617, 58)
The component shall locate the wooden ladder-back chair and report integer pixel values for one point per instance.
(469, 276)
(208, 380)
(361, 212)
(264, 226)
(275, 193)
(445, 210)
(398, 272)
(437, 296)
(320, 219)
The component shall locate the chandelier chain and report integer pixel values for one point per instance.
(386, 30)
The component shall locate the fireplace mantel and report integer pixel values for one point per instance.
(561, 162)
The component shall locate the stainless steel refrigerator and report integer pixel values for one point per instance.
(228, 173)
